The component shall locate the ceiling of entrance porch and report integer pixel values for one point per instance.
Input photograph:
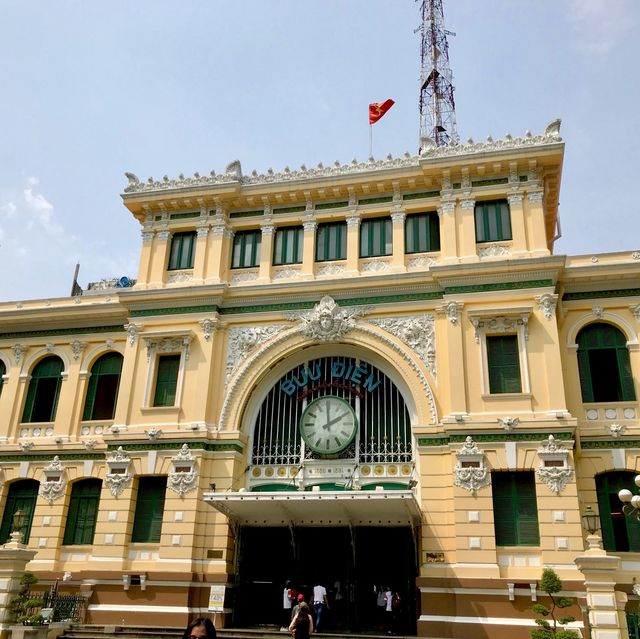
(319, 508)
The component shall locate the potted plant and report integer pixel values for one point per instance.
(25, 608)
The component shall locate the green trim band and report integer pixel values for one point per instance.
(375, 200)
(594, 295)
(64, 331)
(20, 457)
(497, 286)
(184, 216)
(178, 310)
(169, 445)
(444, 440)
(418, 196)
(289, 209)
(610, 443)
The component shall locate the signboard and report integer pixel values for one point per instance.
(216, 598)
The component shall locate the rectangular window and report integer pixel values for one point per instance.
(147, 523)
(166, 380)
(83, 512)
(422, 233)
(287, 248)
(515, 509)
(246, 249)
(376, 237)
(331, 242)
(182, 250)
(503, 362)
(493, 222)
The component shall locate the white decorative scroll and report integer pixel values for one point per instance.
(547, 304)
(77, 347)
(168, 345)
(636, 311)
(118, 477)
(244, 276)
(598, 311)
(54, 483)
(554, 469)
(452, 311)
(617, 429)
(153, 433)
(500, 324)
(375, 266)
(327, 322)
(417, 332)
(184, 476)
(209, 326)
(470, 471)
(508, 423)
(495, 250)
(286, 273)
(18, 351)
(423, 261)
(179, 277)
(242, 341)
(132, 332)
(330, 269)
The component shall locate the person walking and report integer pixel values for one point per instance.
(320, 603)
(301, 625)
(288, 598)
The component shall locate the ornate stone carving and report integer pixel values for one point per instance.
(243, 341)
(508, 422)
(547, 304)
(500, 324)
(132, 332)
(515, 198)
(90, 444)
(286, 273)
(77, 347)
(244, 276)
(452, 311)
(118, 477)
(494, 250)
(353, 220)
(18, 351)
(470, 471)
(467, 203)
(636, 311)
(309, 226)
(164, 235)
(267, 230)
(598, 311)
(330, 269)
(147, 236)
(25, 446)
(327, 322)
(54, 483)
(375, 266)
(178, 277)
(202, 231)
(209, 326)
(423, 261)
(178, 344)
(184, 476)
(153, 433)
(635, 255)
(535, 197)
(617, 429)
(446, 207)
(554, 469)
(417, 332)
(398, 216)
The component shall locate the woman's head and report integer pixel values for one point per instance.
(303, 608)
(200, 628)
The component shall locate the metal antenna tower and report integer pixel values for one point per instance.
(437, 106)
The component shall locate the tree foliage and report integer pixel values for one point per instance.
(25, 607)
(549, 624)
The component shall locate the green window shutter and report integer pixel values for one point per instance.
(246, 249)
(166, 380)
(83, 512)
(287, 247)
(22, 495)
(606, 521)
(102, 390)
(503, 361)
(525, 496)
(43, 392)
(493, 221)
(147, 524)
(626, 376)
(619, 532)
(331, 241)
(376, 237)
(505, 514)
(422, 233)
(585, 375)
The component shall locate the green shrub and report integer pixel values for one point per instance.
(25, 607)
(549, 627)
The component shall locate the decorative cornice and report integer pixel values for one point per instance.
(594, 295)
(445, 440)
(497, 286)
(62, 331)
(233, 174)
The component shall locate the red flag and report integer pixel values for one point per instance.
(378, 109)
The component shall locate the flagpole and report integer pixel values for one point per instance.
(370, 140)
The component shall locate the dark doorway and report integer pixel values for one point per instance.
(351, 561)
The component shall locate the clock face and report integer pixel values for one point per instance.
(328, 425)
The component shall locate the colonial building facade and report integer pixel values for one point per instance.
(363, 375)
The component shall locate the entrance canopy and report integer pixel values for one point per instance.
(319, 508)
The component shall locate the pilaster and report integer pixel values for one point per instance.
(353, 241)
(308, 248)
(398, 218)
(534, 216)
(144, 269)
(202, 245)
(451, 382)
(467, 230)
(266, 249)
(518, 229)
(122, 414)
(160, 258)
(448, 232)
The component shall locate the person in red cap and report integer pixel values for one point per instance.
(297, 606)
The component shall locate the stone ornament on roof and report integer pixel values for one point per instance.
(233, 172)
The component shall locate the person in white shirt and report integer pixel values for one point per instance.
(320, 603)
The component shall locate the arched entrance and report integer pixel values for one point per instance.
(328, 496)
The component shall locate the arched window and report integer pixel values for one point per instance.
(102, 391)
(3, 372)
(22, 495)
(619, 532)
(83, 512)
(44, 388)
(603, 361)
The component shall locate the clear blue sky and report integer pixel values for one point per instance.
(91, 89)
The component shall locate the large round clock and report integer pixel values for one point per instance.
(328, 425)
